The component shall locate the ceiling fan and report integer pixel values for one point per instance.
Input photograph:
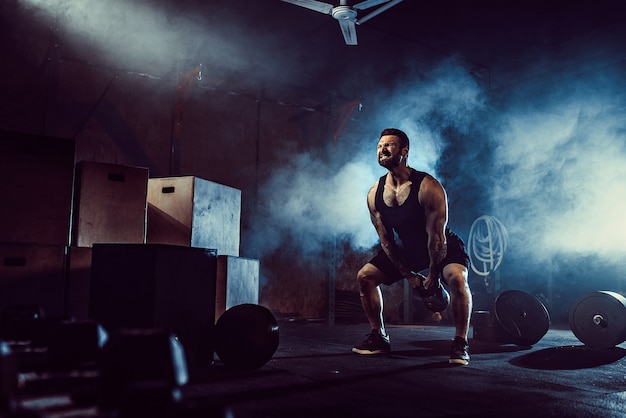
(346, 14)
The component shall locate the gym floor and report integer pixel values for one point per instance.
(314, 374)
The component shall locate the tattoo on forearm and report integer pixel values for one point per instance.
(440, 253)
(437, 254)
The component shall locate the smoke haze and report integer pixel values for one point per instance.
(307, 205)
(563, 164)
(311, 203)
(556, 179)
(153, 36)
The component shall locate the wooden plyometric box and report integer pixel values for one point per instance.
(157, 286)
(194, 212)
(37, 175)
(237, 282)
(110, 204)
(33, 275)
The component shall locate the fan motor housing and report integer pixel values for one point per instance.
(344, 13)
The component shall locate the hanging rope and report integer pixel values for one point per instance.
(487, 243)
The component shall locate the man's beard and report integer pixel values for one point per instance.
(390, 163)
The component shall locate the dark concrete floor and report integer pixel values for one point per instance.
(314, 374)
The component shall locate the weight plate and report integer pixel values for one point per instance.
(246, 336)
(522, 316)
(598, 319)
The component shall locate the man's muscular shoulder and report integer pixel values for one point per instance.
(431, 192)
(371, 195)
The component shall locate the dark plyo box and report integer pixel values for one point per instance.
(33, 275)
(37, 180)
(110, 204)
(77, 283)
(157, 286)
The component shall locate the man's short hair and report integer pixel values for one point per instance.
(404, 139)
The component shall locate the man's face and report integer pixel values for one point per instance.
(389, 152)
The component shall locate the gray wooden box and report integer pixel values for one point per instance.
(237, 282)
(194, 212)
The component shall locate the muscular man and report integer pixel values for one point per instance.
(412, 205)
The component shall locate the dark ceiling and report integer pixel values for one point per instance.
(501, 42)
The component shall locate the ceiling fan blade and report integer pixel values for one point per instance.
(318, 6)
(377, 11)
(349, 31)
(368, 3)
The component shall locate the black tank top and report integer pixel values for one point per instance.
(408, 220)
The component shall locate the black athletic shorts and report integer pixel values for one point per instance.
(456, 254)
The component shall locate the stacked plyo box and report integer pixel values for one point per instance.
(162, 286)
(52, 213)
(37, 179)
(110, 206)
(58, 217)
(194, 212)
(191, 211)
(176, 280)
(237, 282)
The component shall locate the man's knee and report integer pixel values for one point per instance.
(456, 277)
(369, 276)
